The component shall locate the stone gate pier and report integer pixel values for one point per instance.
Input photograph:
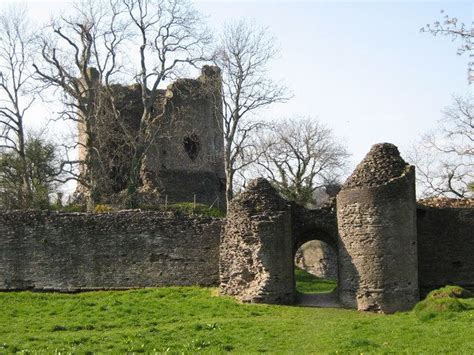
(256, 251)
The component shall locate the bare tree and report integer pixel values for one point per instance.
(445, 158)
(300, 156)
(16, 90)
(85, 53)
(243, 55)
(171, 37)
(247, 151)
(78, 53)
(453, 28)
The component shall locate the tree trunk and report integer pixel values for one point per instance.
(229, 175)
(134, 177)
(92, 163)
(25, 193)
(229, 192)
(94, 196)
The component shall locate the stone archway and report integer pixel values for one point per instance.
(374, 235)
(315, 225)
(260, 239)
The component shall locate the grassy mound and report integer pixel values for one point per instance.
(450, 292)
(444, 302)
(308, 283)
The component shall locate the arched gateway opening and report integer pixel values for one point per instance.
(315, 268)
(373, 229)
(315, 256)
(262, 235)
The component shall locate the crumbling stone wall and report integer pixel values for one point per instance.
(261, 236)
(256, 253)
(445, 247)
(80, 251)
(186, 158)
(376, 213)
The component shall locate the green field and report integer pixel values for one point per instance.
(307, 283)
(191, 319)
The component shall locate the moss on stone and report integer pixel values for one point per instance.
(450, 292)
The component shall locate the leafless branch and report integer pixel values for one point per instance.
(243, 55)
(445, 158)
(456, 30)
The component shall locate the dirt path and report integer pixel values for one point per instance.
(323, 300)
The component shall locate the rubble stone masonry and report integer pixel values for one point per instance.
(376, 213)
(81, 251)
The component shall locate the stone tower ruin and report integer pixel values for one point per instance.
(376, 214)
(185, 161)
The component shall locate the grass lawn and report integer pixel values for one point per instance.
(190, 319)
(307, 283)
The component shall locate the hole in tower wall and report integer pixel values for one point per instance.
(315, 268)
(191, 146)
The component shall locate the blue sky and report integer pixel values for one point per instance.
(361, 67)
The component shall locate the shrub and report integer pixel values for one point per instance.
(200, 209)
(440, 305)
(28, 181)
(102, 209)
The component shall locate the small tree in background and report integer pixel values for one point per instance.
(16, 97)
(39, 164)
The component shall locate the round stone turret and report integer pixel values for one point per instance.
(376, 213)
